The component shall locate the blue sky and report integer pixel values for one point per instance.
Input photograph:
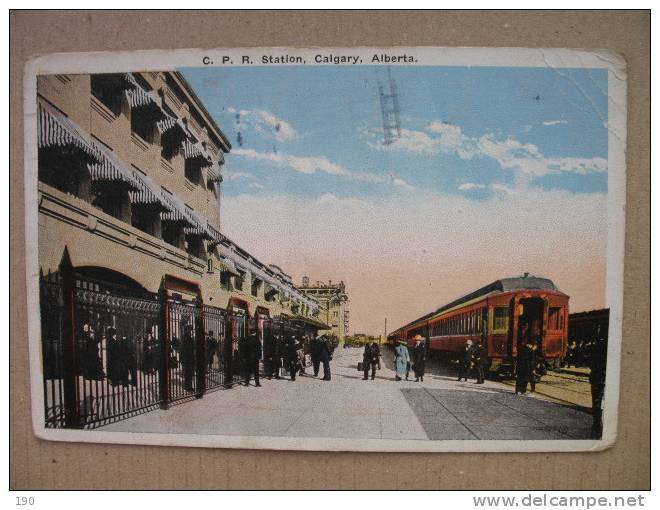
(543, 126)
(498, 171)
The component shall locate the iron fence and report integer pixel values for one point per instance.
(52, 305)
(109, 354)
(117, 353)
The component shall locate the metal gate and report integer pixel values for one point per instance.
(110, 353)
(185, 362)
(215, 326)
(237, 329)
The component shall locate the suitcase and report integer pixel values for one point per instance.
(360, 366)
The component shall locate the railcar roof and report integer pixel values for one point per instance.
(525, 282)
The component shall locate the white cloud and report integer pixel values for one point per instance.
(504, 189)
(436, 138)
(404, 258)
(528, 159)
(312, 164)
(554, 122)
(469, 186)
(511, 154)
(402, 184)
(266, 124)
(304, 165)
(370, 177)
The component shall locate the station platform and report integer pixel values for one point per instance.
(347, 406)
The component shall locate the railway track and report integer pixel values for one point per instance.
(567, 388)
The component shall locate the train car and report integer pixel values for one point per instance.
(585, 329)
(499, 311)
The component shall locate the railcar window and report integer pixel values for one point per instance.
(554, 318)
(501, 319)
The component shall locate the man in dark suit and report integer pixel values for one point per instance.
(369, 361)
(315, 353)
(525, 367)
(187, 357)
(249, 349)
(598, 365)
(465, 361)
(480, 359)
(325, 355)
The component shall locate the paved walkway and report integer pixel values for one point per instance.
(347, 406)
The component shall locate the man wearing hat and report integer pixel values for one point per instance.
(480, 358)
(315, 353)
(250, 350)
(419, 357)
(465, 361)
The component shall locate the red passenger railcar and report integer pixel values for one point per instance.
(498, 311)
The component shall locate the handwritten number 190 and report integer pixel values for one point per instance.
(23, 501)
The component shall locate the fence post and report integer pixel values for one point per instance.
(164, 376)
(200, 340)
(69, 347)
(228, 350)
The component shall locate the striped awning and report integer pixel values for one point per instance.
(109, 168)
(176, 210)
(214, 172)
(148, 193)
(195, 150)
(129, 81)
(271, 290)
(56, 130)
(228, 266)
(170, 124)
(138, 97)
(179, 212)
(216, 236)
(197, 226)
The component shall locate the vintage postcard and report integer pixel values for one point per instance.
(358, 249)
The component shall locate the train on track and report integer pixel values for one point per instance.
(498, 312)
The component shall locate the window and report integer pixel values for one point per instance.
(146, 219)
(193, 170)
(256, 287)
(107, 89)
(112, 198)
(555, 317)
(170, 147)
(238, 280)
(143, 124)
(501, 318)
(195, 246)
(173, 234)
(64, 169)
(225, 280)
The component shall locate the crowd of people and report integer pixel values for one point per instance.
(116, 357)
(288, 355)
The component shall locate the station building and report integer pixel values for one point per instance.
(130, 178)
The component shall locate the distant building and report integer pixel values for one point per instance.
(333, 303)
